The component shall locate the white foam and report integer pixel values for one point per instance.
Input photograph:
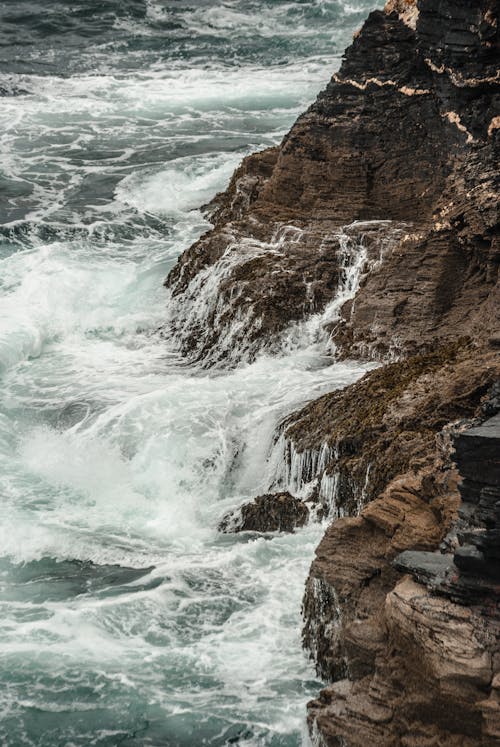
(113, 453)
(200, 312)
(186, 183)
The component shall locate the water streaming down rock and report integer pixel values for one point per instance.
(203, 310)
(311, 473)
(236, 293)
(308, 474)
(323, 629)
(302, 472)
(391, 99)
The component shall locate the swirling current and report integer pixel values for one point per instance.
(125, 617)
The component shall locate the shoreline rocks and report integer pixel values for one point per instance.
(405, 133)
(386, 423)
(398, 156)
(274, 512)
(413, 659)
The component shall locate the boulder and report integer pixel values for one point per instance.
(275, 512)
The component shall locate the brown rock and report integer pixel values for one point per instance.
(411, 667)
(387, 422)
(276, 512)
(404, 133)
(428, 684)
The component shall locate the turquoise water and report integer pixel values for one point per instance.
(125, 618)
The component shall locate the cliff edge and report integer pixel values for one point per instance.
(393, 170)
(405, 134)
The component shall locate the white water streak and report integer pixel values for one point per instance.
(311, 472)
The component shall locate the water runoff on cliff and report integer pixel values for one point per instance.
(126, 619)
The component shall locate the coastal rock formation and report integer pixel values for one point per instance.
(349, 444)
(276, 512)
(393, 173)
(413, 660)
(433, 673)
(405, 132)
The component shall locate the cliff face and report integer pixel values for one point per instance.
(402, 607)
(385, 424)
(394, 169)
(406, 132)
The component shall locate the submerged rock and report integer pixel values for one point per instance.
(275, 512)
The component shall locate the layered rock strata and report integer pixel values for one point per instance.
(478, 458)
(406, 132)
(414, 659)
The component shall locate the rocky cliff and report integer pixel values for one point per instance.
(394, 170)
(401, 607)
(406, 132)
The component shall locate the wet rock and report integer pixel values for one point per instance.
(414, 661)
(240, 288)
(405, 133)
(360, 438)
(275, 512)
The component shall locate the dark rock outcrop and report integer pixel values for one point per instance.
(413, 661)
(478, 459)
(275, 512)
(406, 132)
(472, 573)
(386, 423)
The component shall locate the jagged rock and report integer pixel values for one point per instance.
(275, 512)
(405, 132)
(386, 423)
(352, 567)
(478, 458)
(430, 679)
(407, 11)
(472, 573)
(416, 662)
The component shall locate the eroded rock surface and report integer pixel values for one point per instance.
(414, 661)
(275, 512)
(352, 442)
(405, 132)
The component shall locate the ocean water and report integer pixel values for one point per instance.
(125, 618)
